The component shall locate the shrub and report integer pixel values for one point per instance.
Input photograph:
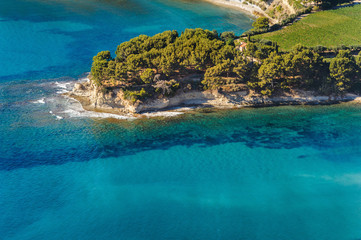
(261, 23)
(147, 75)
(135, 95)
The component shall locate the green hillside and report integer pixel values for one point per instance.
(327, 28)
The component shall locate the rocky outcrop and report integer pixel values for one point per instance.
(92, 98)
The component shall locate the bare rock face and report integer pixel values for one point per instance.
(78, 87)
(95, 98)
(188, 98)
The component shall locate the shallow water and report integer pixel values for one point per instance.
(267, 173)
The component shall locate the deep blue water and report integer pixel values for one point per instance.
(49, 39)
(252, 174)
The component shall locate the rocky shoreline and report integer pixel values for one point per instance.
(93, 99)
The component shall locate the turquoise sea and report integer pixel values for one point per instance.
(280, 173)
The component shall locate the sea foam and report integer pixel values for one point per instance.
(40, 101)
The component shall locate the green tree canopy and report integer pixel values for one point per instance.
(342, 71)
(147, 75)
(270, 73)
(261, 23)
(99, 66)
(171, 60)
(358, 59)
(304, 67)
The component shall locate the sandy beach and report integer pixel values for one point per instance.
(240, 5)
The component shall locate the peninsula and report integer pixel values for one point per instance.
(204, 68)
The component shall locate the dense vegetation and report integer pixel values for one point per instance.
(331, 28)
(286, 19)
(157, 66)
(261, 23)
(326, 4)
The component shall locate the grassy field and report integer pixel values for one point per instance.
(327, 28)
